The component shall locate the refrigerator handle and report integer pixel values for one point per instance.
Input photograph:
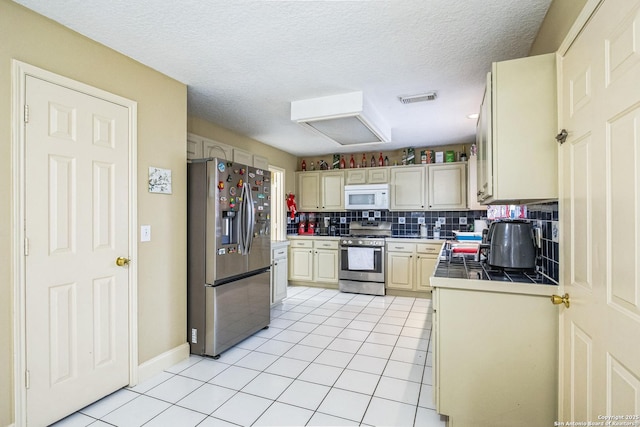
(250, 217)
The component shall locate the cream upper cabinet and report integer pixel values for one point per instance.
(447, 186)
(332, 191)
(472, 185)
(260, 162)
(241, 156)
(194, 147)
(214, 149)
(308, 187)
(517, 149)
(377, 175)
(408, 187)
(320, 191)
(199, 147)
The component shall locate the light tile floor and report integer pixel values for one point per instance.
(327, 359)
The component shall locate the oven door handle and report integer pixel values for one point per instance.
(374, 249)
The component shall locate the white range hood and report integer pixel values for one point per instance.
(345, 119)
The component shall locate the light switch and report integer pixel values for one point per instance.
(145, 233)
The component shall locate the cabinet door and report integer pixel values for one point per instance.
(378, 175)
(326, 266)
(301, 264)
(356, 176)
(332, 191)
(279, 280)
(472, 185)
(212, 148)
(241, 156)
(260, 162)
(408, 188)
(448, 186)
(194, 147)
(400, 270)
(485, 152)
(308, 191)
(425, 265)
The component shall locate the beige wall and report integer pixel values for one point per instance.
(559, 19)
(162, 121)
(276, 157)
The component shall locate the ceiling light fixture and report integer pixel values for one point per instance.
(422, 97)
(345, 119)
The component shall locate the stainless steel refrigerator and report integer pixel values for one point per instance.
(228, 254)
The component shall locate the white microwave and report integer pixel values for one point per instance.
(366, 196)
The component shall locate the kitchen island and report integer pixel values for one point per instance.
(495, 350)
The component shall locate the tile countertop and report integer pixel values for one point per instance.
(495, 286)
(416, 239)
(312, 236)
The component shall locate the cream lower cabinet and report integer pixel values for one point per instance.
(411, 265)
(313, 260)
(495, 357)
(279, 274)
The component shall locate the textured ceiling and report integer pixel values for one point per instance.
(245, 61)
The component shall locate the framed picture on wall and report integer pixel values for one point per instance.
(159, 180)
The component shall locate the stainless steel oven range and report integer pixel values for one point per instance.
(362, 264)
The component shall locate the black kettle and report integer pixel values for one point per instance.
(511, 245)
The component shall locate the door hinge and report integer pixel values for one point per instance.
(26, 246)
(27, 379)
(26, 113)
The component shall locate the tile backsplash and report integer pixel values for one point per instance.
(546, 216)
(402, 223)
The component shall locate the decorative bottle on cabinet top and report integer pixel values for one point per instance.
(352, 163)
(380, 160)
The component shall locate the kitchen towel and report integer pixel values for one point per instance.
(360, 258)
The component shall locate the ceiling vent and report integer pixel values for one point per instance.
(345, 119)
(410, 99)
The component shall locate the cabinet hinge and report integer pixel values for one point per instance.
(26, 113)
(27, 379)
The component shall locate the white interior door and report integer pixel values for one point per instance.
(600, 218)
(76, 225)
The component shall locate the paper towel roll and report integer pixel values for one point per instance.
(479, 225)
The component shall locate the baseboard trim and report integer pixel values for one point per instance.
(163, 361)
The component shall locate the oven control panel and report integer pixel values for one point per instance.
(362, 242)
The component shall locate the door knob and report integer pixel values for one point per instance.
(557, 299)
(122, 261)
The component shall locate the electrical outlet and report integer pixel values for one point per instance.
(462, 220)
(343, 220)
(376, 214)
(421, 220)
(145, 233)
(401, 220)
(442, 220)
